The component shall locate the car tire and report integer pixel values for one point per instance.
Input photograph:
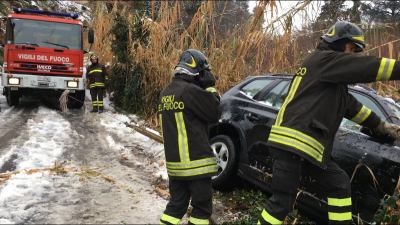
(225, 151)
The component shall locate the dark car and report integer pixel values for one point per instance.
(248, 113)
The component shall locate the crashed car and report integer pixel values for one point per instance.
(248, 112)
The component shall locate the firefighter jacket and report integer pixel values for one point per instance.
(96, 75)
(185, 111)
(318, 100)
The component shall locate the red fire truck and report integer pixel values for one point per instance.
(43, 56)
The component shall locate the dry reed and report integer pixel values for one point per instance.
(251, 49)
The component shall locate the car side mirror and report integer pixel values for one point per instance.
(91, 36)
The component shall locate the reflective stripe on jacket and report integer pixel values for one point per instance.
(318, 99)
(96, 75)
(185, 111)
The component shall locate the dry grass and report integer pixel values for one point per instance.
(84, 173)
(102, 23)
(249, 50)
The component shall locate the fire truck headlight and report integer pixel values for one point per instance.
(72, 84)
(13, 81)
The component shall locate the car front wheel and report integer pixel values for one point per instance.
(225, 152)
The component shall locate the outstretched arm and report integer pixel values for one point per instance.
(367, 118)
(350, 68)
(358, 113)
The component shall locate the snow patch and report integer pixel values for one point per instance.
(114, 123)
(75, 7)
(48, 134)
(29, 197)
(115, 146)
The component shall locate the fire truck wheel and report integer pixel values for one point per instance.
(12, 97)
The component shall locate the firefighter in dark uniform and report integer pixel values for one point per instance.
(302, 137)
(97, 76)
(187, 106)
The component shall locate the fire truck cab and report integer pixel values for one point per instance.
(43, 56)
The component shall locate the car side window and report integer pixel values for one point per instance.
(368, 102)
(277, 95)
(252, 88)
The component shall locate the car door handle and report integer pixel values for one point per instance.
(252, 117)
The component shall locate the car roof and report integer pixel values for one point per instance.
(358, 87)
(275, 75)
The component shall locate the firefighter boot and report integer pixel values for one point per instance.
(95, 107)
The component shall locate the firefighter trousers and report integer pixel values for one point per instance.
(198, 192)
(97, 98)
(288, 169)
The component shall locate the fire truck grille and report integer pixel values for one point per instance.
(42, 67)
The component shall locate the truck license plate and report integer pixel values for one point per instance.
(42, 84)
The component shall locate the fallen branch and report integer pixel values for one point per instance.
(397, 189)
(162, 193)
(394, 41)
(60, 169)
(359, 165)
(144, 131)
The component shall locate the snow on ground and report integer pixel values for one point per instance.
(39, 146)
(47, 136)
(96, 141)
(21, 193)
(114, 123)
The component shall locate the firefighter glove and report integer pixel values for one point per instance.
(389, 129)
(214, 91)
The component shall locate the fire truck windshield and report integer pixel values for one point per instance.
(45, 34)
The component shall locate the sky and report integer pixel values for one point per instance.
(311, 12)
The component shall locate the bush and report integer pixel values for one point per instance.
(126, 76)
(388, 212)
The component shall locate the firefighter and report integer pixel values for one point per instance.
(97, 76)
(186, 107)
(302, 137)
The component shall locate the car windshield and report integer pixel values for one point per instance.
(46, 34)
(255, 86)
